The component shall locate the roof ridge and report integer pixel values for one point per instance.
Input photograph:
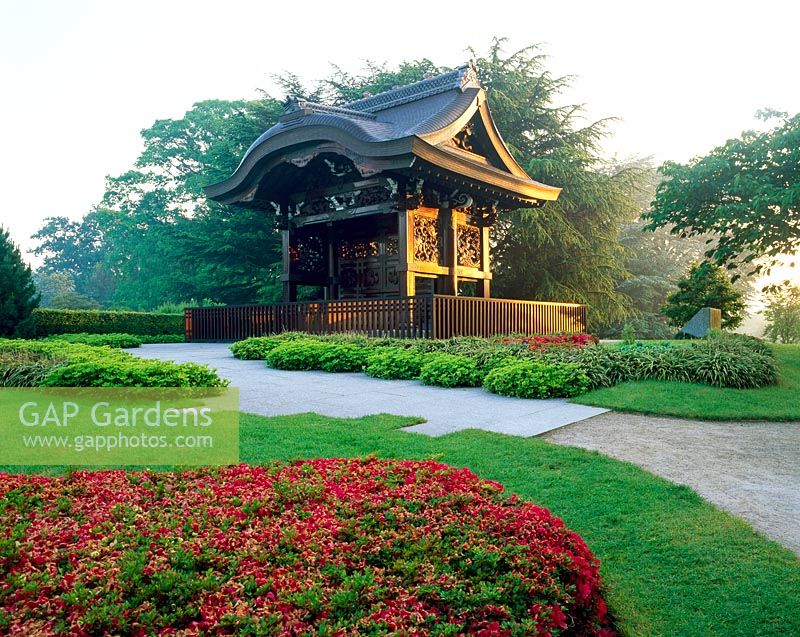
(461, 78)
(296, 107)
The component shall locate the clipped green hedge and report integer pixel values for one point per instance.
(110, 340)
(450, 370)
(311, 354)
(394, 363)
(154, 339)
(537, 379)
(49, 321)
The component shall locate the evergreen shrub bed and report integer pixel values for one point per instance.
(62, 364)
(315, 547)
(257, 347)
(150, 339)
(121, 341)
(49, 321)
(722, 360)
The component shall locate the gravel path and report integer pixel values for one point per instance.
(750, 469)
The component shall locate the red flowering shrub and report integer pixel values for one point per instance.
(565, 340)
(323, 547)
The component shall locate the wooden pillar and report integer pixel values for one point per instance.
(332, 290)
(405, 252)
(486, 266)
(448, 226)
(289, 286)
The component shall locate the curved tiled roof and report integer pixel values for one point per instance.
(401, 121)
(416, 109)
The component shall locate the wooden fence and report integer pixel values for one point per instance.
(432, 316)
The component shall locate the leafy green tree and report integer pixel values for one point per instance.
(568, 250)
(77, 250)
(163, 239)
(782, 313)
(705, 285)
(155, 235)
(746, 193)
(50, 285)
(18, 296)
(655, 260)
(74, 301)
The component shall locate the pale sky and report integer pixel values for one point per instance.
(80, 78)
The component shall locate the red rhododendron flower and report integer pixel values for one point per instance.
(553, 340)
(340, 547)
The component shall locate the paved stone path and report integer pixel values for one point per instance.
(750, 469)
(272, 392)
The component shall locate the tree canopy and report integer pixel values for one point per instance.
(782, 313)
(705, 285)
(159, 239)
(745, 193)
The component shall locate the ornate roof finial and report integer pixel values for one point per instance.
(469, 75)
(293, 104)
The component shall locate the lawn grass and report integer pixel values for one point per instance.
(687, 400)
(674, 565)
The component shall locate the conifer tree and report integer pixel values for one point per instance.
(18, 295)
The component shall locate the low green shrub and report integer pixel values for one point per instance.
(500, 358)
(21, 368)
(110, 340)
(299, 355)
(137, 373)
(343, 357)
(50, 321)
(450, 370)
(79, 365)
(728, 361)
(733, 340)
(730, 365)
(155, 339)
(394, 363)
(537, 379)
(256, 348)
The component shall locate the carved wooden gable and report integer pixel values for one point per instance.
(473, 141)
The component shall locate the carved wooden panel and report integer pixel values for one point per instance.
(308, 255)
(358, 249)
(368, 267)
(426, 239)
(464, 138)
(469, 246)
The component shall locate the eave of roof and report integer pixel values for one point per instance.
(417, 120)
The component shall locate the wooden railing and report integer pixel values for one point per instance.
(432, 316)
(469, 316)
